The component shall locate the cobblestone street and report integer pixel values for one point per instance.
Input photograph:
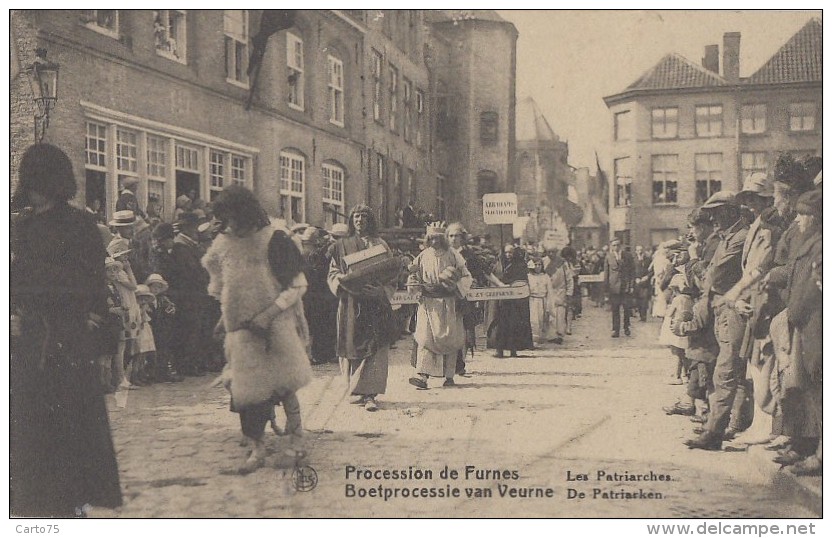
(593, 404)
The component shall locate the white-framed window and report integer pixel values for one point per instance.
(187, 158)
(393, 90)
(236, 30)
(294, 64)
(407, 125)
(753, 118)
(708, 171)
(216, 173)
(127, 151)
(103, 21)
(333, 195)
(166, 162)
(95, 146)
(665, 122)
(664, 173)
(157, 157)
(802, 116)
(336, 90)
(292, 183)
(239, 170)
(753, 161)
(420, 116)
(623, 172)
(170, 33)
(709, 120)
(376, 74)
(623, 125)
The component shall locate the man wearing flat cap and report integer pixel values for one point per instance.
(724, 271)
(757, 259)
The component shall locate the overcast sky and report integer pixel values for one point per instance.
(569, 60)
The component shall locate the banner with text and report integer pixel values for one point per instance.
(499, 208)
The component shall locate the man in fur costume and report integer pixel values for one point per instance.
(440, 273)
(256, 274)
(366, 323)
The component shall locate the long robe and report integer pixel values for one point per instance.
(512, 326)
(61, 451)
(440, 332)
(539, 287)
(364, 368)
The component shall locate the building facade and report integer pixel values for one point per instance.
(544, 176)
(472, 59)
(339, 112)
(683, 131)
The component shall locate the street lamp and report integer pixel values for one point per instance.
(43, 78)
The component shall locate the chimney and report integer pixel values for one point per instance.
(731, 56)
(711, 59)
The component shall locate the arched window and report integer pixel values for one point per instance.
(486, 182)
(333, 175)
(292, 185)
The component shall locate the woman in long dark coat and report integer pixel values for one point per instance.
(61, 453)
(512, 326)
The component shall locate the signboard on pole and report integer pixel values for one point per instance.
(499, 208)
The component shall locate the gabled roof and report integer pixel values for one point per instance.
(531, 124)
(799, 60)
(675, 71)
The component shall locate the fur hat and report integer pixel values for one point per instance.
(810, 203)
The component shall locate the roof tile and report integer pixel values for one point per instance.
(799, 60)
(676, 71)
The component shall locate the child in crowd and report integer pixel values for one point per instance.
(539, 285)
(144, 363)
(680, 306)
(703, 347)
(111, 330)
(162, 322)
(125, 285)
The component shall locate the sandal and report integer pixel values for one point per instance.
(418, 382)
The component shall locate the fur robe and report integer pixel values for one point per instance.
(242, 280)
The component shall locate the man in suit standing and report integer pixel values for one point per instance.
(618, 276)
(188, 282)
(641, 276)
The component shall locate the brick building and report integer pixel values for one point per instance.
(341, 112)
(472, 61)
(683, 131)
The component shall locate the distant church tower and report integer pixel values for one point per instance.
(543, 174)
